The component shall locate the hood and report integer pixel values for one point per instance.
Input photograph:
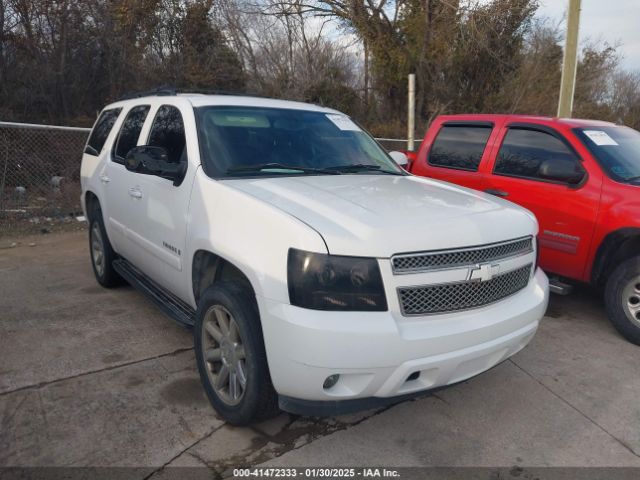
(381, 215)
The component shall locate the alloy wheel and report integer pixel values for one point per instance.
(631, 300)
(97, 249)
(224, 354)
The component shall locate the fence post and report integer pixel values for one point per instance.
(411, 112)
(4, 146)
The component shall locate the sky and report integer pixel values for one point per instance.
(616, 22)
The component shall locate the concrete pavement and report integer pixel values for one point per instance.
(99, 377)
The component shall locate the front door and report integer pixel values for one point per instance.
(160, 225)
(566, 213)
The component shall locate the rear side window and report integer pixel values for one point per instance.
(523, 151)
(130, 132)
(167, 132)
(101, 131)
(459, 146)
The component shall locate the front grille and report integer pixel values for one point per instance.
(416, 262)
(450, 297)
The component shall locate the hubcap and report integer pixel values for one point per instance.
(631, 300)
(97, 249)
(224, 354)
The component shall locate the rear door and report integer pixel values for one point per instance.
(117, 182)
(566, 213)
(456, 153)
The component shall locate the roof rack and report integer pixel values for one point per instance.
(167, 91)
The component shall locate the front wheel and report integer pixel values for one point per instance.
(622, 299)
(231, 356)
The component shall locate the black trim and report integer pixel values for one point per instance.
(172, 306)
(320, 408)
(607, 250)
(468, 123)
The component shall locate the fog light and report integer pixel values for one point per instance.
(330, 381)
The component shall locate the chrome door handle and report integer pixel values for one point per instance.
(104, 178)
(135, 193)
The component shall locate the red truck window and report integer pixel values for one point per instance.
(524, 150)
(459, 146)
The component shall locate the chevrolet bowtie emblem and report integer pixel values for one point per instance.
(483, 272)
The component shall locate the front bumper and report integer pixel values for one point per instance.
(383, 355)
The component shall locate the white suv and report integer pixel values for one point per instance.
(318, 276)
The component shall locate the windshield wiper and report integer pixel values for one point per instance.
(632, 179)
(278, 166)
(358, 167)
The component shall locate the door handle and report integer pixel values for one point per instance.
(135, 193)
(104, 178)
(497, 193)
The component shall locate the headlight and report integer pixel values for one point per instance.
(332, 282)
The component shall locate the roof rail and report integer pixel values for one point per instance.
(172, 91)
(160, 91)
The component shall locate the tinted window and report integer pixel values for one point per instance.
(130, 132)
(523, 151)
(617, 149)
(168, 132)
(101, 130)
(458, 146)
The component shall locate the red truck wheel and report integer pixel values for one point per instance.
(622, 299)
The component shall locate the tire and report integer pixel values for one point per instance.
(231, 303)
(622, 299)
(101, 251)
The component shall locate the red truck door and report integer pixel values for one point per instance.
(455, 151)
(524, 169)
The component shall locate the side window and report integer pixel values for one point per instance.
(523, 151)
(167, 132)
(129, 132)
(459, 146)
(101, 131)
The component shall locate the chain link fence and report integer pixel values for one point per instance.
(393, 144)
(40, 175)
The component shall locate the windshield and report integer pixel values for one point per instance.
(248, 141)
(617, 149)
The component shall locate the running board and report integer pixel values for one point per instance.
(172, 306)
(559, 287)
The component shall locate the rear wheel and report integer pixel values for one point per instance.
(102, 254)
(230, 354)
(622, 298)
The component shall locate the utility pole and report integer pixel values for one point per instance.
(570, 61)
(411, 112)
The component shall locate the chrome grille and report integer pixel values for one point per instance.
(416, 262)
(450, 297)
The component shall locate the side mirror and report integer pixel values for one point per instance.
(400, 158)
(565, 171)
(149, 160)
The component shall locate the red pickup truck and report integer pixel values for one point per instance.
(581, 179)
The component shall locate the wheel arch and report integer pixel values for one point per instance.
(90, 199)
(616, 247)
(207, 268)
